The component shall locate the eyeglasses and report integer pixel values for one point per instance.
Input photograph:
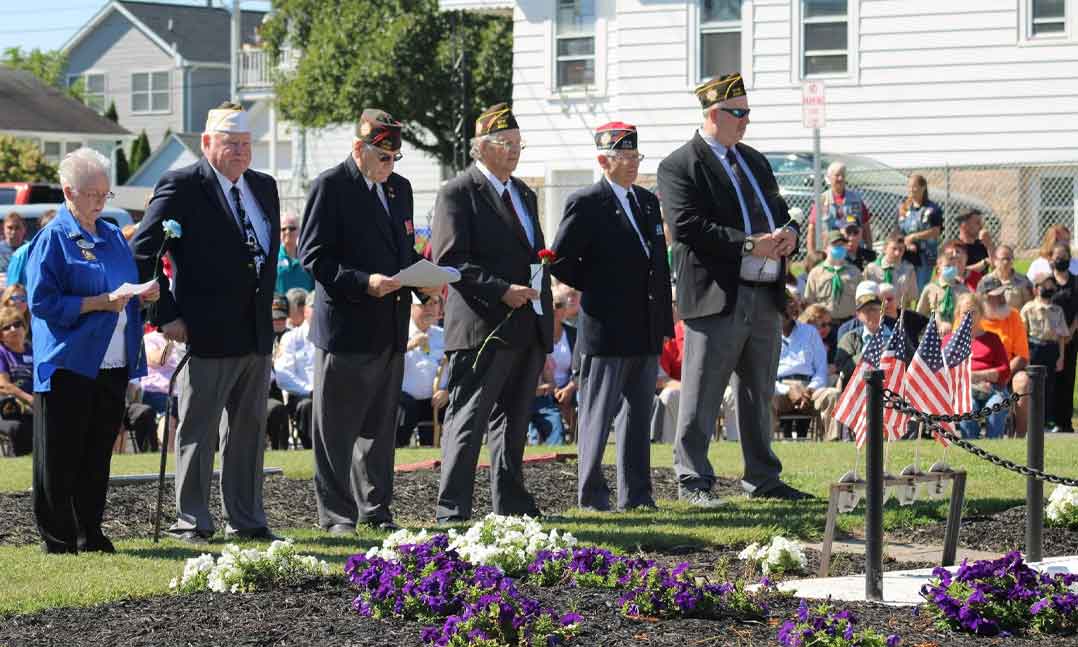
(507, 145)
(14, 325)
(628, 157)
(384, 157)
(738, 113)
(97, 197)
(18, 298)
(289, 228)
(558, 304)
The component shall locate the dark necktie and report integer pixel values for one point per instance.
(258, 255)
(508, 200)
(757, 218)
(638, 218)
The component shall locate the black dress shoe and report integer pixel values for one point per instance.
(341, 529)
(100, 544)
(263, 533)
(782, 491)
(197, 537)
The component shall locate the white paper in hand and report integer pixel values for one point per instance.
(424, 274)
(132, 289)
(537, 285)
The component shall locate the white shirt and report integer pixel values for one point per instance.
(294, 366)
(420, 366)
(803, 353)
(380, 192)
(116, 353)
(514, 195)
(623, 197)
(563, 360)
(250, 207)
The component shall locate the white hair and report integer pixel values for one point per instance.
(834, 168)
(80, 166)
(475, 145)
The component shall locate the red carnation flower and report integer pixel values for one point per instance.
(546, 257)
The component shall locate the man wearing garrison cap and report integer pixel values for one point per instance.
(357, 234)
(220, 304)
(486, 225)
(612, 249)
(732, 236)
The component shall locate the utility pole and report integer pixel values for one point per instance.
(234, 49)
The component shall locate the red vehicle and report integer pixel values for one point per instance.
(30, 193)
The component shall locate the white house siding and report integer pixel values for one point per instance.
(930, 83)
(118, 49)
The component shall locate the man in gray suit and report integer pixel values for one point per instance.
(485, 225)
(221, 307)
(732, 234)
(612, 249)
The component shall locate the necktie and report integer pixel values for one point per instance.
(836, 282)
(946, 305)
(508, 200)
(638, 218)
(258, 255)
(757, 219)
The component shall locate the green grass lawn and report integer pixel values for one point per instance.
(30, 580)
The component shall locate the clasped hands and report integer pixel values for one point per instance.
(775, 245)
(379, 285)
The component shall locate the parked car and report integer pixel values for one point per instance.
(31, 213)
(30, 193)
(882, 186)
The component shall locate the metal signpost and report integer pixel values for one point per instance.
(813, 115)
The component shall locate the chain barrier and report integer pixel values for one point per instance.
(934, 424)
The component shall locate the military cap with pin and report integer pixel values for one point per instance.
(496, 118)
(616, 135)
(720, 89)
(379, 129)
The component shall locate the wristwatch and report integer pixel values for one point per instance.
(748, 246)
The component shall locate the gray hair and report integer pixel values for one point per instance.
(291, 215)
(475, 144)
(79, 166)
(297, 298)
(834, 167)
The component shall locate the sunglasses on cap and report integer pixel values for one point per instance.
(738, 113)
(14, 325)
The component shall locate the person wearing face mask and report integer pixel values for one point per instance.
(1066, 297)
(833, 283)
(893, 269)
(1006, 323)
(1043, 263)
(1046, 328)
(940, 296)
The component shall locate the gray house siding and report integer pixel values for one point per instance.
(208, 88)
(119, 50)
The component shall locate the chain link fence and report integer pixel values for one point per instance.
(1019, 201)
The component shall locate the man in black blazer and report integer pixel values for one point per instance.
(486, 225)
(220, 307)
(732, 234)
(611, 247)
(358, 233)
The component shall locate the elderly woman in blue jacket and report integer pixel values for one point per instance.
(86, 347)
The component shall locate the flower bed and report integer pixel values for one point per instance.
(244, 570)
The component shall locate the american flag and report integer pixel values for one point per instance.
(956, 354)
(928, 381)
(893, 364)
(850, 408)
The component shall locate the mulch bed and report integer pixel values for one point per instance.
(998, 533)
(318, 613)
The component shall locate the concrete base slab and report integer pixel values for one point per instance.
(906, 552)
(128, 479)
(900, 588)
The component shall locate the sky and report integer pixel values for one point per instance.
(48, 24)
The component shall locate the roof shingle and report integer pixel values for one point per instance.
(199, 33)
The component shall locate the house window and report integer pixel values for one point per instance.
(1058, 196)
(720, 37)
(824, 37)
(575, 43)
(93, 90)
(52, 151)
(1048, 17)
(150, 92)
(71, 147)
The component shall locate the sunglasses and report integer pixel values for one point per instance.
(18, 298)
(824, 324)
(738, 113)
(289, 228)
(384, 157)
(14, 325)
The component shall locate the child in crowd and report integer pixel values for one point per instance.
(941, 295)
(1046, 327)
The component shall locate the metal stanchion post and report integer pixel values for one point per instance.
(1035, 460)
(874, 486)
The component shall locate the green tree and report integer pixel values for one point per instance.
(140, 150)
(48, 66)
(164, 138)
(110, 114)
(123, 171)
(402, 63)
(22, 161)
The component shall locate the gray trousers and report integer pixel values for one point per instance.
(748, 341)
(493, 401)
(354, 432)
(236, 387)
(604, 381)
